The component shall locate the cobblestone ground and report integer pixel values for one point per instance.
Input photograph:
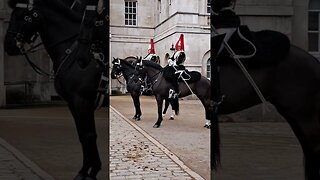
(13, 167)
(133, 156)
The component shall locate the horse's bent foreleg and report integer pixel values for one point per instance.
(84, 119)
(159, 103)
(166, 105)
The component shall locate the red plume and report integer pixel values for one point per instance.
(180, 44)
(152, 51)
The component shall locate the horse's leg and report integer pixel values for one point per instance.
(83, 114)
(172, 115)
(159, 103)
(166, 105)
(302, 113)
(136, 101)
(206, 104)
(308, 134)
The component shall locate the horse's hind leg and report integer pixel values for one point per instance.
(136, 102)
(83, 113)
(207, 106)
(166, 106)
(305, 122)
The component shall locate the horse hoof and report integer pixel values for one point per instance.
(171, 118)
(156, 126)
(80, 177)
(138, 119)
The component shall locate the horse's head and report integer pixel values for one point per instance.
(116, 68)
(217, 5)
(23, 27)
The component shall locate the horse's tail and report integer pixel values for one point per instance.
(174, 104)
(215, 140)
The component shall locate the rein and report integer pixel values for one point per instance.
(151, 78)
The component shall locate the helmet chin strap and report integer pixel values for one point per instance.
(29, 6)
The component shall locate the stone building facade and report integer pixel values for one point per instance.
(164, 20)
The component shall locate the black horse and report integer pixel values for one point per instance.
(124, 67)
(75, 36)
(287, 76)
(161, 87)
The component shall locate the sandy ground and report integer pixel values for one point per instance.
(185, 136)
(253, 146)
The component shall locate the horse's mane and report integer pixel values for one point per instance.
(131, 59)
(126, 63)
(151, 64)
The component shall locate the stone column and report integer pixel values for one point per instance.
(300, 23)
(2, 31)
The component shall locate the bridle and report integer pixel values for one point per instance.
(32, 16)
(117, 65)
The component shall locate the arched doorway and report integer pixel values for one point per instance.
(206, 65)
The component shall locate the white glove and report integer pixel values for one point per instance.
(171, 62)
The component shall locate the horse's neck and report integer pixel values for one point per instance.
(128, 71)
(152, 73)
(58, 51)
(60, 28)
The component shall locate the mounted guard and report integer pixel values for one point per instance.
(152, 56)
(175, 67)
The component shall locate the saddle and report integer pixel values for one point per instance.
(189, 76)
(271, 47)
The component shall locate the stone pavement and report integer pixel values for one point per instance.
(15, 166)
(136, 155)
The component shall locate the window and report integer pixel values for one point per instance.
(208, 6)
(209, 68)
(159, 6)
(314, 26)
(130, 13)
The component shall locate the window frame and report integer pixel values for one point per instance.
(208, 6)
(310, 10)
(129, 19)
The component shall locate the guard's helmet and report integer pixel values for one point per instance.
(180, 57)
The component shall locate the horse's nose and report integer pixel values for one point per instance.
(113, 76)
